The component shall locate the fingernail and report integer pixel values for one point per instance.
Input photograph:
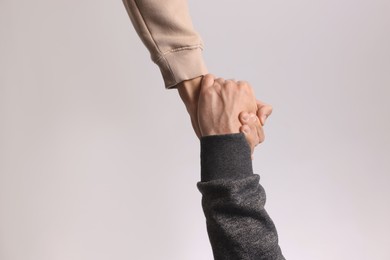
(245, 117)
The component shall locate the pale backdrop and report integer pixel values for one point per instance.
(98, 161)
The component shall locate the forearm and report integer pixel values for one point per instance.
(166, 29)
(233, 201)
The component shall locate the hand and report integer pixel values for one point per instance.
(252, 126)
(189, 92)
(220, 103)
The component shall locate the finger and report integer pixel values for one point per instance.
(254, 124)
(263, 114)
(249, 136)
(263, 111)
(261, 104)
(251, 120)
(217, 86)
(221, 81)
(260, 132)
(230, 83)
(256, 130)
(243, 117)
(242, 82)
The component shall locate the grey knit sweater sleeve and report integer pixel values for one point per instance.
(233, 201)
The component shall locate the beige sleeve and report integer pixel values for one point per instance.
(165, 28)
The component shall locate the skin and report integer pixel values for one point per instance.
(189, 91)
(220, 103)
(218, 106)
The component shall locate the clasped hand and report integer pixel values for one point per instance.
(218, 106)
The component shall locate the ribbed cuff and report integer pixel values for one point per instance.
(182, 64)
(225, 157)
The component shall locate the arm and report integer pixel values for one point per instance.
(166, 29)
(233, 200)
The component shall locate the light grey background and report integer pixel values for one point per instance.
(98, 161)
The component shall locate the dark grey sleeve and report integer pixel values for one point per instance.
(233, 201)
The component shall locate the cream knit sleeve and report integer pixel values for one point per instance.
(166, 29)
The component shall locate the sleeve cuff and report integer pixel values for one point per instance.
(225, 157)
(182, 64)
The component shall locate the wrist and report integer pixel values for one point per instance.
(225, 157)
(189, 91)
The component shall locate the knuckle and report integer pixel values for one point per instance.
(220, 80)
(242, 82)
(229, 83)
(208, 91)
